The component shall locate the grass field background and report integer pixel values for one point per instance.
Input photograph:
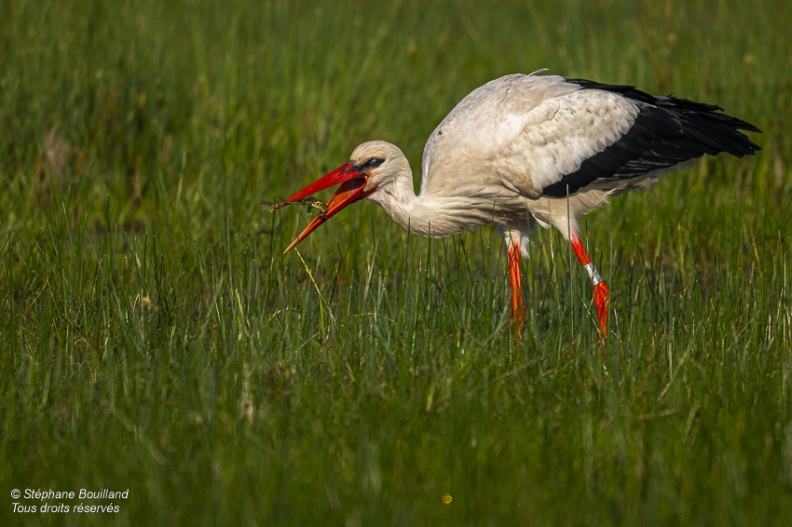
(154, 339)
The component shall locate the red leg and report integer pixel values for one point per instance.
(518, 309)
(601, 291)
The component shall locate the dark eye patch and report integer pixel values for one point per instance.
(373, 162)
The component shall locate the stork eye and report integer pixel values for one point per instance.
(374, 162)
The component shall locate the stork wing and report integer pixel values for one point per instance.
(606, 134)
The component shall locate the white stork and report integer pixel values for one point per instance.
(525, 147)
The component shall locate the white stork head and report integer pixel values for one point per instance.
(371, 167)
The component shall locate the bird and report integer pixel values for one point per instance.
(532, 148)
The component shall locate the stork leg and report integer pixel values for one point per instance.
(518, 309)
(601, 291)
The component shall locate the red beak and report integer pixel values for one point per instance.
(350, 191)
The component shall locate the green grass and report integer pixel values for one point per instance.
(152, 337)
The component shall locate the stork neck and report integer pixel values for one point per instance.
(428, 215)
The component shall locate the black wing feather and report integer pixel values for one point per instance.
(666, 131)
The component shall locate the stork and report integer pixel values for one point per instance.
(532, 147)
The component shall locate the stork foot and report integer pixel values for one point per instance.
(601, 291)
(518, 309)
(601, 297)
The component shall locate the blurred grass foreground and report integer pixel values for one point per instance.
(153, 339)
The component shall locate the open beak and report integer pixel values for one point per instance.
(350, 191)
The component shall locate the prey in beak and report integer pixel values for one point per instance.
(351, 190)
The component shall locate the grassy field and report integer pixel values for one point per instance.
(153, 338)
